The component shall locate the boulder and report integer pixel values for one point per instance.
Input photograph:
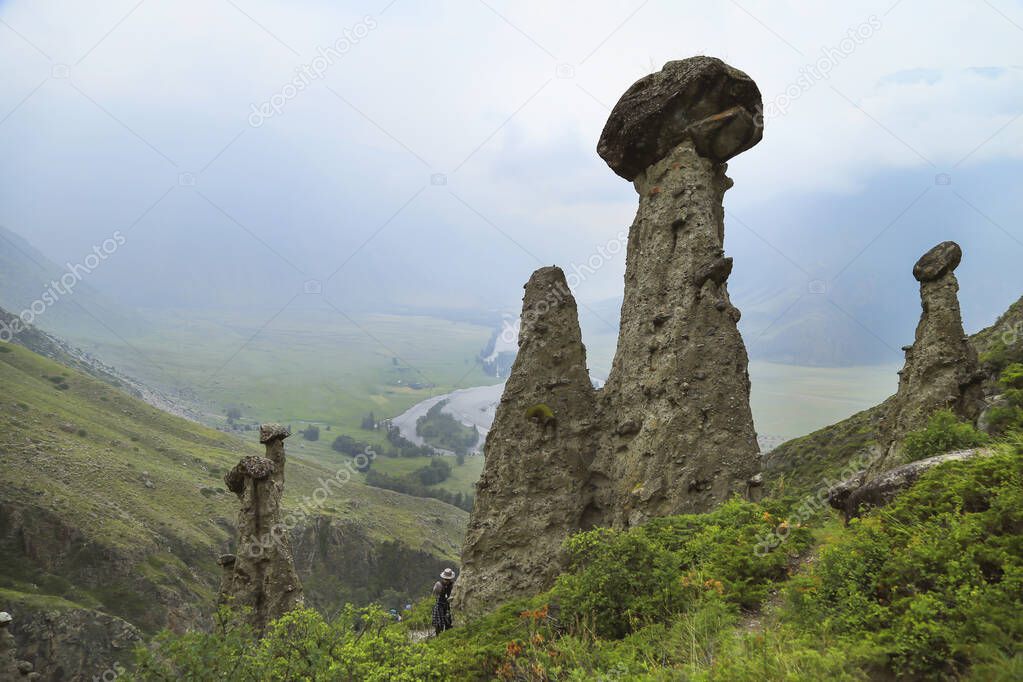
(701, 99)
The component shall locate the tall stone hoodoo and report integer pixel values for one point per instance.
(941, 370)
(676, 413)
(533, 491)
(672, 431)
(261, 577)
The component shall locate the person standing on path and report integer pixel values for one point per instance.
(442, 608)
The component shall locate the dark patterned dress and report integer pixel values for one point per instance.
(442, 608)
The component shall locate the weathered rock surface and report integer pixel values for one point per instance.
(680, 371)
(679, 381)
(671, 431)
(859, 494)
(700, 99)
(64, 644)
(941, 370)
(533, 490)
(261, 576)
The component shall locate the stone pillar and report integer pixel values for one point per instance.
(261, 577)
(675, 411)
(941, 370)
(533, 491)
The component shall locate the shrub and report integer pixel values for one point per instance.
(360, 644)
(943, 433)
(931, 583)
(619, 581)
(1012, 376)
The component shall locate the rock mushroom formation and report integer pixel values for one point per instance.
(532, 493)
(679, 430)
(260, 579)
(941, 370)
(672, 431)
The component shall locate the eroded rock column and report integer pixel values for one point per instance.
(533, 490)
(679, 433)
(261, 577)
(941, 370)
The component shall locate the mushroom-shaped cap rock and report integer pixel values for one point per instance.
(937, 262)
(268, 432)
(251, 466)
(5, 618)
(701, 98)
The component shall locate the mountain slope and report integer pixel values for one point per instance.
(805, 464)
(73, 308)
(110, 506)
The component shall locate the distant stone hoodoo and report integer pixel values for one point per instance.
(942, 370)
(671, 431)
(261, 577)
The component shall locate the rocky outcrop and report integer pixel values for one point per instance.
(260, 580)
(941, 369)
(671, 431)
(859, 494)
(533, 491)
(64, 643)
(11, 669)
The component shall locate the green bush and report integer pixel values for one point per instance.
(1012, 376)
(933, 582)
(944, 433)
(360, 644)
(619, 581)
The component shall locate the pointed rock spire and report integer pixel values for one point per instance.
(532, 493)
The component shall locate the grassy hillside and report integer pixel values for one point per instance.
(929, 588)
(309, 364)
(109, 504)
(805, 463)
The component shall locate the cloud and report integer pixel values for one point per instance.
(504, 99)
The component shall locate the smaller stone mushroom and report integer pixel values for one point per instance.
(939, 261)
(269, 432)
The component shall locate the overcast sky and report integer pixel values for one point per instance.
(447, 148)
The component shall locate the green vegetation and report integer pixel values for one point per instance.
(541, 414)
(358, 644)
(443, 431)
(1007, 414)
(310, 365)
(929, 588)
(421, 483)
(74, 467)
(944, 433)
